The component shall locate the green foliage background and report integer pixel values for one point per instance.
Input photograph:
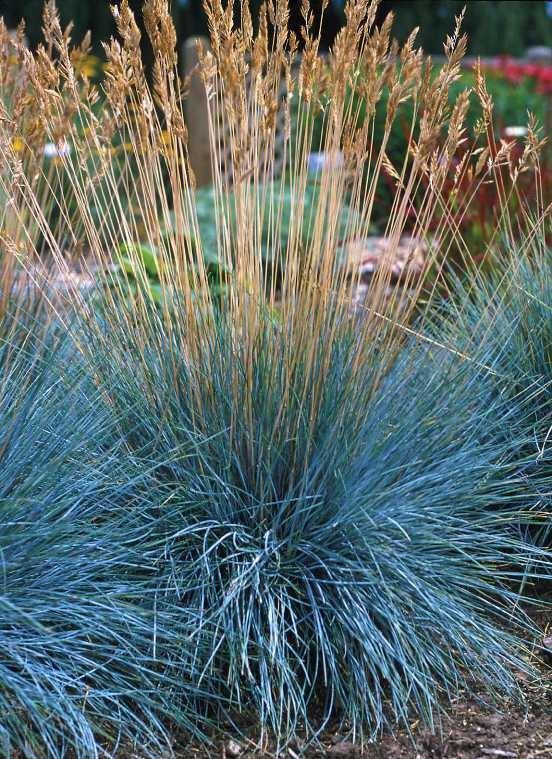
(494, 26)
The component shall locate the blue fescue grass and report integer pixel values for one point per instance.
(352, 559)
(160, 561)
(502, 322)
(84, 646)
(503, 318)
(254, 503)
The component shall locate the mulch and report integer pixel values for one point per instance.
(470, 731)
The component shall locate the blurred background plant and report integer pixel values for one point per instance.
(494, 27)
(511, 106)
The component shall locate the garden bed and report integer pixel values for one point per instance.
(470, 731)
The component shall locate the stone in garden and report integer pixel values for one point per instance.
(344, 749)
(408, 260)
(233, 748)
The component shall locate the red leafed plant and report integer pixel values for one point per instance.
(491, 188)
(516, 71)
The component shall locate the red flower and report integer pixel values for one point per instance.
(515, 72)
(544, 80)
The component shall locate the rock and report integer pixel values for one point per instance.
(233, 748)
(407, 260)
(343, 748)
(488, 720)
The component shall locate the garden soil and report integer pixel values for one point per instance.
(469, 732)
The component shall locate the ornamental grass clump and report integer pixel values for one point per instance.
(311, 495)
(503, 317)
(79, 667)
(73, 681)
(502, 321)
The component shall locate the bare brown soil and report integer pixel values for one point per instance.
(470, 730)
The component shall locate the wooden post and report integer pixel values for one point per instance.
(196, 114)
